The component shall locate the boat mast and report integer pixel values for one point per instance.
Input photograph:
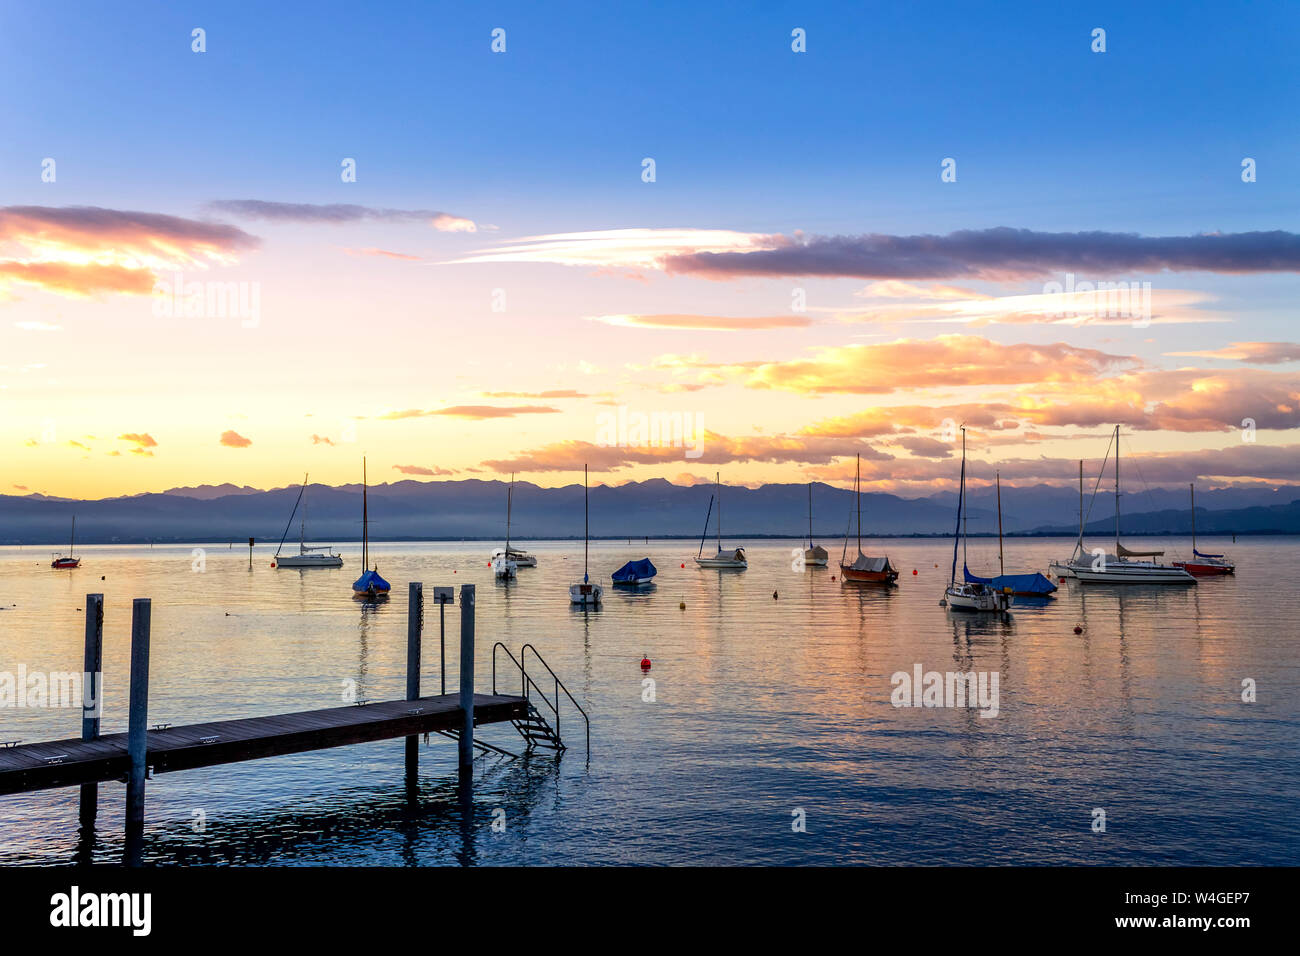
(810, 540)
(717, 483)
(302, 528)
(963, 496)
(961, 493)
(510, 498)
(365, 519)
(1080, 502)
(1001, 567)
(1193, 487)
(586, 530)
(1117, 492)
(72, 539)
(857, 487)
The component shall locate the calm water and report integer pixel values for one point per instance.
(762, 706)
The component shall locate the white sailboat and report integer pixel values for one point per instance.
(733, 560)
(968, 595)
(586, 594)
(1125, 566)
(814, 555)
(307, 557)
(1065, 569)
(504, 565)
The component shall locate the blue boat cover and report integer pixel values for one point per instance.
(1032, 583)
(370, 581)
(634, 570)
(1200, 554)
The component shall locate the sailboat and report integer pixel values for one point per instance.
(1065, 569)
(586, 593)
(978, 595)
(1204, 565)
(864, 570)
(726, 560)
(814, 555)
(68, 561)
(306, 557)
(1120, 567)
(1030, 584)
(370, 585)
(504, 564)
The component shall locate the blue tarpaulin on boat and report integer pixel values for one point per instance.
(370, 581)
(1032, 583)
(633, 571)
(1200, 554)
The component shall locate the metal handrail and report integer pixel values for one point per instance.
(559, 685)
(525, 679)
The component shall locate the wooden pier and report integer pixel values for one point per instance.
(139, 753)
(66, 763)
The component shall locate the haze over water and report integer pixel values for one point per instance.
(762, 706)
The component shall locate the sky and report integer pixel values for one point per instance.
(337, 230)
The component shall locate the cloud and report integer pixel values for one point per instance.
(421, 470)
(944, 361)
(232, 439)
(1000, 254)
(553, 393)
(321, 440)
(924, 447)
(617, 248)
(713, 448)
(1260, 353)
(472, 411)
(708, 323)
(385, 253)
(89, 250)
(38, 327)
(141, 439)
(336, 213)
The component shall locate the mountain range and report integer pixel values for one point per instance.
(420, 510)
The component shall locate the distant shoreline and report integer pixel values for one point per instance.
(242, 543)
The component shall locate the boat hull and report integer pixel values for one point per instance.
(887, 576)
(1134, 574)
(586, 595)
(1061, 569)
(967, 598)
(814, 560)
(1203, 570)
(65, 564)
(309, 561)
(634, 583)
(725, 564)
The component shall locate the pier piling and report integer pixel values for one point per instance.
(91, 696)
(466, 749)
(414, 633)
(138, 727)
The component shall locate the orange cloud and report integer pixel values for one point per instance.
(473, 411)
(1262, 353)
(421, 470)
(232, 439)
(706, 323)
(142, 439)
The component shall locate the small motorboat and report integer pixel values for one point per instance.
(1204, 565)
(586, 594)
(307, 556)
(522, 559)
(370, 585)
(730, 560)
(634, 573)
(65, 562)
(864, 569)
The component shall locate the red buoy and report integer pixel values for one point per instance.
(1078, 629)
(645, 663)
(914, 570)
(683, 564)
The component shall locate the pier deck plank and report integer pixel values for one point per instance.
(63, 763)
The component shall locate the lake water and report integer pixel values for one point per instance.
(764, 706)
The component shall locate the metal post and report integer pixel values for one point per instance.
(414, 629)
(250, 554)
(92, 695)
(137, 728)
(466, 749)
(442, 644)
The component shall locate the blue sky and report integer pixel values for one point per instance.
(749, 138)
